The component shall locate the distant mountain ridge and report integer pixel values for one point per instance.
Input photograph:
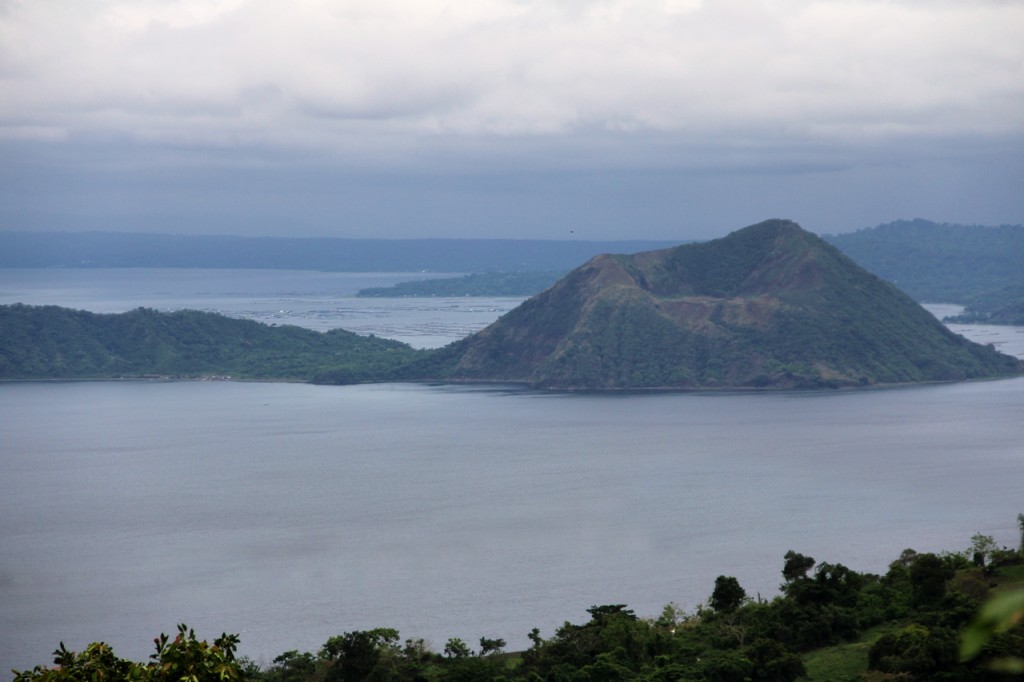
(940, 262)
(135, 250)
(768, 306)
(977, 266)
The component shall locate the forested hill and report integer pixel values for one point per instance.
(768, 306)
(120, 250)
(941, 263)
(47, 342)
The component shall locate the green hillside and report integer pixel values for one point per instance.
(769, 306)
(938, 262)
(48, 342)
(1002, 306)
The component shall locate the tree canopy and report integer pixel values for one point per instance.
(917, 610)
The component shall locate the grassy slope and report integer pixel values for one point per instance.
(844, 662)
(849, 661)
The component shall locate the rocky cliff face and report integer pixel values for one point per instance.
(768, 306)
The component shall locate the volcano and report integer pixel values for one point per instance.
(768, 306)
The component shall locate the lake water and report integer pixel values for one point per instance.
(316, 300)
(291, 513)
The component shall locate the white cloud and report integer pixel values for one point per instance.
(389, 76)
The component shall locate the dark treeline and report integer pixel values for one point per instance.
(1002, 306)
(912, 623)
(49, 342)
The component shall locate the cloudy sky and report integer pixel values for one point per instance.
(595, 119)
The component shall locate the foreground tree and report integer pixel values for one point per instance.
(361, 655)
(1020, 522)
(915, 652)
(981, 548)
(796, 566)
(183, 658)
(728, 594)
(925, 600)
(929, 575)
(291, 666)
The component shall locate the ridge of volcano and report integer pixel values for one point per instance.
(767, 306)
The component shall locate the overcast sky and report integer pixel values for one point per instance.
(585, 119)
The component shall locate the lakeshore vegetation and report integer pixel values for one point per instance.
(979, 267)
(918, 621)
(49, 342)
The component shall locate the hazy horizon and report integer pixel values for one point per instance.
(496, 237)
(532, 119)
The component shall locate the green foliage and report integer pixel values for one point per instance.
(796, 566)
(723, 268)
(57, 343)
(982, 547)
(846, 662)
(773, 662)
(1020, 524)
(182, 659)
(929, 575)
(829, 607)
(624, 345)
(942, 263)
(855, 626)
(361, 655)
(1004, 306)
(999, 615)
(291, 666)
(490, 647)
(456, 648)
(190, 660)
(727, 595)
(916, 651)
(769, 306)
(96, 662)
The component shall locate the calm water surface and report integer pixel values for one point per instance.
(291, 513)
(316, 300)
